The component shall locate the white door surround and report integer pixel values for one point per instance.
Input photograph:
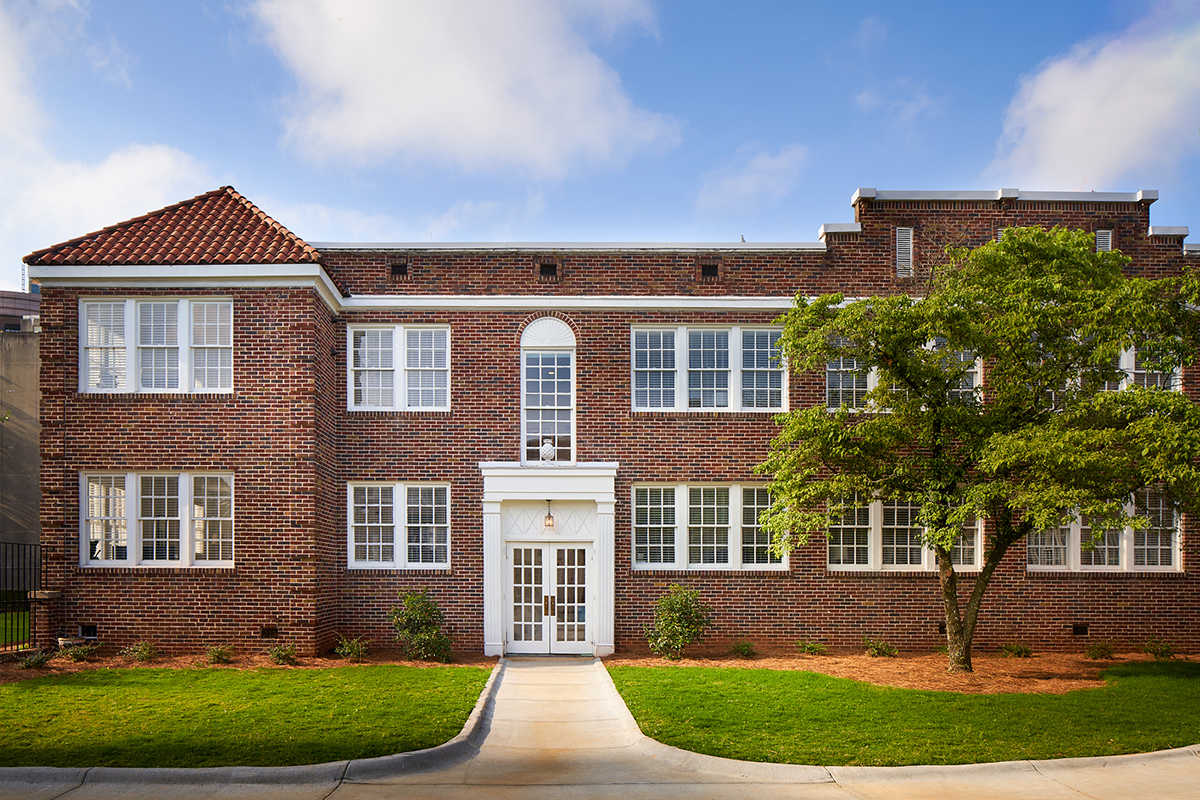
(582, 499)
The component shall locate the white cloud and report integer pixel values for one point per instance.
(46, 199)
(466, 220)
(481, 86)
(871, 31)
(1106, 112)
(901, 102)
(753, 177)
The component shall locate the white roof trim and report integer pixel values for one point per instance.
(542, 247)
(839, 227)
(189, 276)
(1168, 230)
(1148, 195)
(1191, 247)
(468, 302)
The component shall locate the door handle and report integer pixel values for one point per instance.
(548, 605)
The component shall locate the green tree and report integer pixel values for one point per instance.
(1041, 441)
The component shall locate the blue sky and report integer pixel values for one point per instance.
(581, 120)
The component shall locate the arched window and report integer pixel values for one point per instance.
(547, 392)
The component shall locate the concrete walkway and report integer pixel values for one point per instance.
(556, 728)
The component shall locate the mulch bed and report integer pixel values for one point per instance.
(1044, 673)
(1048, 673)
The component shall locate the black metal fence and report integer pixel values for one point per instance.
(20, 574)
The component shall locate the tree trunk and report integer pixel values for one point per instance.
(960, 625)
(958, 635)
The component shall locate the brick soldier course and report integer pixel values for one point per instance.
(284, 438)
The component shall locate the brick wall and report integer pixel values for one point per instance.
(292, 445)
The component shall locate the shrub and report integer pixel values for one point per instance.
(219, 654)
(1015, 650)
(1100, 649)
(37, 658)
(284, 654)
(79, 652)
(811, 648)
(140, 651)
(743, 649)
(679, 621)
(418, 622)
(351, 649)
(877, 648)
(1161, 649)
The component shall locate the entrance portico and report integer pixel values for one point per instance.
(548, 588)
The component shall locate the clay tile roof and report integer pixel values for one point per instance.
(218, 227)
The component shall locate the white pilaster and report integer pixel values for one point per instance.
(606, 569)
(493, 570)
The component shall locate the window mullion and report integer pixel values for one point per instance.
(400, 521)
(875, 557)
(133, 530)
(133, 374)
(735, 524)
(735, 368)
(184, 336)
(187, 513)
(682, 519)
(681, 369)
(399, 369)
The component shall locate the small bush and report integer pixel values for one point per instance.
(79, 652)
(878, 648)
(811, 648)
(679, 621)
(1161, 649)
(418, 622)
(140, 651)
(1015, 650)
(284, 654)
(1100, 649)
(36, 659)
(351, 649)
(219, 654)
(743, 649)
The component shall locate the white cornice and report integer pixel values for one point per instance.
(190, 276)
(567, 247)
(563, 302)
(1145, 195)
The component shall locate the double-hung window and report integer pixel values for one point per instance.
(157, 519)
(707, 369)
(398, 526)
(1139, 370)
(156, 345)
(885, 535)
(1079, 546)
(701, 527)
(397, 368)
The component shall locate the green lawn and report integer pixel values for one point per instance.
(218, 717)
(808, 718)
(14, 626)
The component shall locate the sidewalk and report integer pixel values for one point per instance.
(556, 727)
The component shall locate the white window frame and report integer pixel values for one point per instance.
(400, 526)
(875, 548)
(976, 374)
(1127, 538)
(1128, 364)
(184, 347)
(400, 368)
(574, 434)
(189, 521)
(680, 549)
(681, 370)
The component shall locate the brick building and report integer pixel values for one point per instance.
(245, 435)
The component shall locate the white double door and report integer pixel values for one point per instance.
(547, 602)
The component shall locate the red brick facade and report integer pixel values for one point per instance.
(292, 446)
